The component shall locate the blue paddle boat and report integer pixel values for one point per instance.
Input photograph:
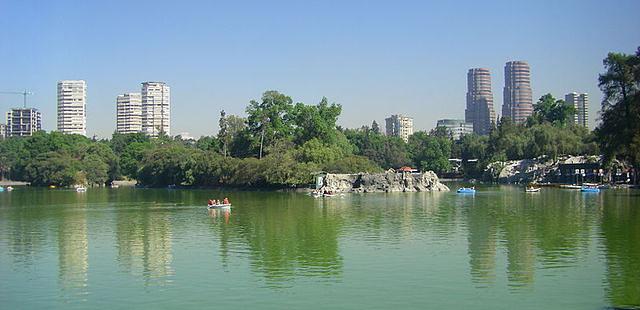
(466, 190)
(590, 189)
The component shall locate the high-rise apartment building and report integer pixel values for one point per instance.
(518, 102)
(72, 107)
(456, 127)
(23, 122)
(479, 109)
(399, 126)
(129, 113)
(581, 104)
(3, 131)
(156, 104)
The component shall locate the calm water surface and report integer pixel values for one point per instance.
(143, 248)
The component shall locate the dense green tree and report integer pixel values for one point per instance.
(553, 111)
(167, 165)
(52, 168)
(269, 119)
(431, 151)
(119, 142)
(316, 121)
(231, 129)
(352, 164)
(386, 151)
(619, 129)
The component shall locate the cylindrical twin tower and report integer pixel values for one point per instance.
(517, 99)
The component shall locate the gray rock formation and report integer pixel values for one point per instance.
(383, 182)
(537, 170)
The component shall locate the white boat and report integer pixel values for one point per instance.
(81, 189)
(9, 188)
(532, 189)
(571, 186)
(219, 206)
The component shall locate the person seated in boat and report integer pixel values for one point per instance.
(210, 202)
(225, 201)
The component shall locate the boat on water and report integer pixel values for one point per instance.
(9, 188)
(571, 186)
(590, 189)
(219, 206)
(466, 190)
(81, 189)
(1, 189)
(532, 189)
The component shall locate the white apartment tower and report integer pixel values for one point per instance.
(23, 122)
(581, 103)
(156, 104)
(399, 126)
(129, 113)
(72, 107)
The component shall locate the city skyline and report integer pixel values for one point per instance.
(389, 59)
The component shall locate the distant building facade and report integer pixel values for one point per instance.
(22, 122)
(581, 104)
(156, 108)
(399, 126)
(479, 111)
(456, 127)
(72, 107)
(3, 132)
(129, 113)
(518, 101)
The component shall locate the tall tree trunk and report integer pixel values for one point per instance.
(261, 142)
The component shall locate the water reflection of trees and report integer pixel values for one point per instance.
(552, 229)
(621, 231)
(289, 237)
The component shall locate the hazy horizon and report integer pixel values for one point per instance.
(373, 58)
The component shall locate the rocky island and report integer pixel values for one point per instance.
(381, 182)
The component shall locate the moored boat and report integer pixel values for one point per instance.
(81, 189)
(570, 186)
(532, 189)
(1, 189)
(590, 189)
(9, 188)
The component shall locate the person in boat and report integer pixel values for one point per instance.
(225, 201)
(210, 202)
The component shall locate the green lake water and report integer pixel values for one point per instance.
(501, 248)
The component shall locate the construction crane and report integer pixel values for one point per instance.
(24, 94)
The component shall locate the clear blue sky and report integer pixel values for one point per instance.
(374, 58)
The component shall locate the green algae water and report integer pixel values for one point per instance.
(155, 248)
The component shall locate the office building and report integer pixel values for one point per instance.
(518, 102)
(72, 107)
(23, 122)
(129, 113)
(581, 104)
(456, 127)
(399, 126)
(479, 111)
(156, 104)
